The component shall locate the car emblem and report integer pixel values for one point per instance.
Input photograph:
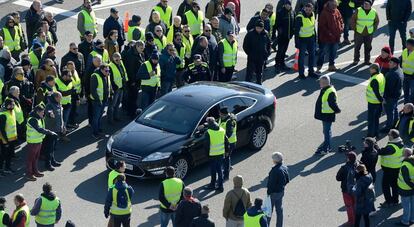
(124, 155)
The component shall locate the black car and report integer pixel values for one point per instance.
(165, 134)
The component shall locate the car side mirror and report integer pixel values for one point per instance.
(138, 112)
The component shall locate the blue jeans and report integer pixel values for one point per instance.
(407, 203)
(227, 160)
(97, 109)
(216, 170)
(374, 114)
(306, 44)
(327, 136)
(277, 199)
(166, 87)
(402, 28)
(327, 48)
(166, 217)
(66, 113)
(408, 87)
(391, 111)
(113, 108)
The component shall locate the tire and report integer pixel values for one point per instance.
(182, 166)
(258, 136)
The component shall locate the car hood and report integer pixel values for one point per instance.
(142, 140)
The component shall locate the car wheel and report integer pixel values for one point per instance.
(258, 137)
(181, 168)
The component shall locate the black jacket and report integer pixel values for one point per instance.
(256, 46)
(252, 23)
(52, 29)
(204, 52)
(78, 59)
(202, 221)
(329, 117)
(342, 174)
(183, 8)
(132, 61)
(187, 210)
(85, 49)
(149, 49)
(393, 84)
(398, 11)
(370, 158)
(33, 22)
(285, 24)
(407, 179)
(114, 24)
(278, 178)
(212, 49)
(195, 73)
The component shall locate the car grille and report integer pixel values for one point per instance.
(126, 156)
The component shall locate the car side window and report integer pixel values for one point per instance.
(235, 105)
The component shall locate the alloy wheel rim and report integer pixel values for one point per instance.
(181, 168)
(259, 137)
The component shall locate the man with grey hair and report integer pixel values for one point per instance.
(325, 110)
(187, 209)
(406, 187)
(276, 182)
(374, 96)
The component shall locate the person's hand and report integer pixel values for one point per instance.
(51, 114)
(172, 207)
(223, 70)
(78, 102)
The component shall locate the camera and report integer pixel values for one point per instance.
(347, 147)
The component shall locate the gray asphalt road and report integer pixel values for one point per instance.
(313, 197)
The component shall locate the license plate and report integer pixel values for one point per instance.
(129, 166)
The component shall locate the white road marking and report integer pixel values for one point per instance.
(120, 4)
(56, 11)
(347, 78)
(107, 3)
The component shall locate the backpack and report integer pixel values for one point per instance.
(239, 209)
(350, 179)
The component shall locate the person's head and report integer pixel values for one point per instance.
(187, 192)
(41, 36)
(393, 134)
(45, 26)
(10, 22)
(66, 75)
(18, 199)
(332, 4)
(385, 52)
(269, 8)
(367, 4)
(186, 31)
(195, 7)
(5, 54)
(97, 61)
(203, 42)
(9, 104)
(37, 5)
(104, 68)
(224, 111)
(70, 65)
(369, 142)
(2, 203)
(49, 16)
(408, 108)
(324, 81)
(57, 96)
(164, 3)
(177, 21)
(155, 16)
(287, 4)
(50, 80)
(258, 202)
(169, 172)
(39, 110)
(99, 45)
(231, 6)
(18, 73)
(205, 209)
(116, 58)
(178, 38)
(37, 48)
(155, 57)
(351, 157)
(73, 48)
(114, 12)
(410, 44)
(88, 36)
(140, 46)
(394, 63)
(215, 23)
(238, 181)
(308, 9)
(51, 51)
(26, 65)
(407, 152)
(259, 26)
(113, 35)
(170, 48)
(374, 69)
(277, 158)
(197, 59)
(362, 169)
(14, 91)
(158, 31)
(228, 13)
(47, 188)
(120, 166)
(120, 178)
(87, 4)
(264, 14)
(207, 30)
(136, 19)
(16, 17)
(48, 64)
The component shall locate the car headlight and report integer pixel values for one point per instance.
(109, 144)
(157, 156)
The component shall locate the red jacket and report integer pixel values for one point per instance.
(330, 25)
(237, 13)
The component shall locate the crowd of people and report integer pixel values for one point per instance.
(131, 66)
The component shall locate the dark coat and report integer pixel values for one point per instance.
(252, 23)
(285, 24)
(94, 85)
(393, 84)
(369, 159)
(132, 61)
(187, 210)
(212, 49)
(204, 52)
(342, 175)
(183, 8)
(328, 117)
(256, 46)
(278, 178)
(114, 24)
(168, 65)
(33, 22)
(364, 205)
(398, 11)
(85, 49)
(78, 59)
(52, 29)
(202, 221)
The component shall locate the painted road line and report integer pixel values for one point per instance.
(120, 4)
(107, 3)
(347, 78)
(56, 11)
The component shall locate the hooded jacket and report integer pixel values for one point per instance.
(342, 174)
(254, 211)
(226, 25)
(38, 203)
(122, 188)
(233, 196)
(364, 205)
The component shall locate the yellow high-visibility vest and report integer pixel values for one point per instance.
(230, 53)
(161, 43)
(365, 20)
(154, 81)
(13, 43)
(252, 221)
(100, 87)
(67, 99)
(130, 34)
(11, 126)
(104, 55)
(325, 105)
(76, 81)
(392, 161)
(217, 140)
(117, 76)
(115, 209)
(308, 26)
(173, 188)
(223, 125)
(26, 210)
(407, 62)
(32, 135)
(370, 95)
(47, 212)
(401, 182)
(89, 21)
(164, 15)
(195, 24)
(188, 42)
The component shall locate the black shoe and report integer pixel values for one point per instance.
(320, 152)
(209, 187)
(56, 164)
(367, 63)
(385, 205)
(220, 189)
(50, 168)
(302, 77)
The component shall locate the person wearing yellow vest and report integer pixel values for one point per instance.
(181, 49)
(391, 161)
(35, 134)
(16, 18)
(100, 92)
(174, 29)
(21, 215)
(227, 52)
(254, 216)
(406, 187)
(194, 18)
(8, 135)
(165, 12)
(35, 55)
(98, 50)
(169, 61)
(228, 122)
(305, 40)
(119, 78)
(150, 75)
(197, 71)
(405, 124)
(159, 38)
(65, 86)
(346, 7)
(5, 219)
(364, 22)
(120, 168)
(47, 208)
(45, 89)
(135, 32)
(12, 38)
(407, 62)
(169, 195)
(326, 108)
(87, 20)
(374, 96)
(76, 96)
(118, 202)
(14, 93)
(188, 41)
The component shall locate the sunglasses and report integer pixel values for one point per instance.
(50, 65)
(107, 70)
(74, 48)
(158, 30)
(11, 22)
(207, 30)
(186, 31)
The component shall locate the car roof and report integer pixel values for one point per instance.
(203, 94)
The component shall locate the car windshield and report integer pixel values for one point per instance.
(170, 116)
